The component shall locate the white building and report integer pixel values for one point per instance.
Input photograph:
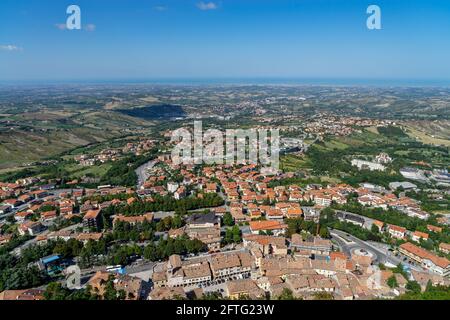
(367, 165)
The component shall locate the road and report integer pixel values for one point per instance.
(33, 241)
(349, 243)
(142, 172)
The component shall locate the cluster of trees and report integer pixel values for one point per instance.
(61, 223)
(92, 250)
(328, 162)
(13, 243)
(165, 248)
(111, 293)
(168, 204)
(376, 177)
(233, 235)
(228, 219)
(286, 294)
(298, 224)
(391, 131)
(428, 204)
(120, 254)
(54, 171)
(139, 232)
(295, 180)
(431, 292)
(56, 292)
(392, 282)
(169, 223)
(16, 273)
(122, 172)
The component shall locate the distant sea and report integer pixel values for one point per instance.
(248, 81)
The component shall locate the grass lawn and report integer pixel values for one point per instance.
(291, 163)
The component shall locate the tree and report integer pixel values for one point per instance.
(150, 252)
(286, 294)
(236, 234)
(110, 290)
(228, 219)
(374, 229)
(55, 291)
(392, 282)
(413, 286)
(323, 296)
(324, 232)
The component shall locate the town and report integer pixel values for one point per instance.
(222, 231)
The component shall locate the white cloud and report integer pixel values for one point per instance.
(10, 47)
(160, 8)
(61, 26)
(90, 27)
(207, 5)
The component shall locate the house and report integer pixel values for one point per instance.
(267, 244)
(4, 209)
(4, 239)
(220, 211)
(30, 227)
(274, 227)
(311, 214)
(23, 295)
(22, 216)
(274, 214)
(49, 215)
(85, 237)
(379, 224)
(180, 193)
(444, 247)
(206, 228)
(434, 228)
(350, 218)
(417, 236)
(254, 213)
(423, 278)
(12, 203)
(25, 198)
(396, 231)
(294, 213)
(172, 187)
(133, 220)
(231, 265)
(243, 288)
(165, 293)
(211, 188)
(187, 273)
(92, 219)
(312, 245)
(133, 287)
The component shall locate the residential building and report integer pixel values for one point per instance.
(426, 259)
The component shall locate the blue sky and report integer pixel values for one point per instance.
(152, 39)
